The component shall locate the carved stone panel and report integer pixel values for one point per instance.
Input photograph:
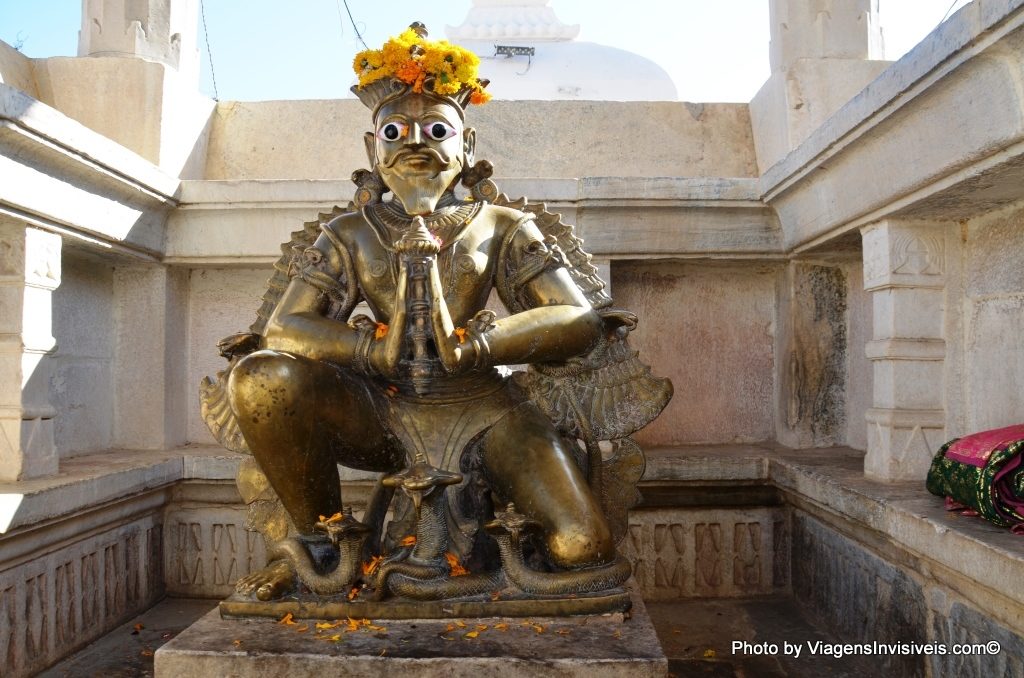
(75, 593)
(208, 549)
(686, 553)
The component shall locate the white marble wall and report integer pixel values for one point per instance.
(84, 364)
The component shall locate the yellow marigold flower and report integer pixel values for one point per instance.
(413, 60)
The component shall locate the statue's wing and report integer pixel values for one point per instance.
(605, 395)
(213, 398)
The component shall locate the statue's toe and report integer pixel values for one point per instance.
(269, 583)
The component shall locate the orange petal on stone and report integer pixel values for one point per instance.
(288, 620)
(328, 625)
(457, 570)
(471, 634)
(371, 566)
(408, 541)
(381, 331)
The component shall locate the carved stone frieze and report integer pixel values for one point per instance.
(687, 553)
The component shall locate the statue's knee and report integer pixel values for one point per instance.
(581, 545)
(267, 381)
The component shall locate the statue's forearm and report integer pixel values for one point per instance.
(312, 336)
(545, 333)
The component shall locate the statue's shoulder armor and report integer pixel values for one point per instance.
(346, 227)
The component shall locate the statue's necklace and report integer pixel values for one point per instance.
(446, 223)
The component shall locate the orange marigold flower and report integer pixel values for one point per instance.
(457, 570)
(460, 332)
(409, 72)
(479, 97)
(371, 566)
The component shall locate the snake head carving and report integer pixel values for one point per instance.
(343, 528)
(421, 479)
(513, 523)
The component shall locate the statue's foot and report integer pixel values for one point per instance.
(270, 583)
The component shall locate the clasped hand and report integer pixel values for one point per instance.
(457, 352)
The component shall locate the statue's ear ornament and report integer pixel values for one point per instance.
(369, 188)
(478, 180)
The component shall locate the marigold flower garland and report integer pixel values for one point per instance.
(413, 59)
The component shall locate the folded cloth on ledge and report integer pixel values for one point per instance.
(985, 472)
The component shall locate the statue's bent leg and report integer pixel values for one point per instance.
(528, 463)
(301, 418)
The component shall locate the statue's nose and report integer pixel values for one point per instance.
(415, 134)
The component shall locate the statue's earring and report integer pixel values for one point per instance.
(476, 177)
(477, 180)
(369, 188)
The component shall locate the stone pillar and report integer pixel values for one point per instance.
(158, 30)
(822, 53)
(905, 270)
(29, 273)
(150, 393)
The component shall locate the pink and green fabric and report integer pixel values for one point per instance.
(984, 472)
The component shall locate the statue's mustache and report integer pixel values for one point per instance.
(422, 150)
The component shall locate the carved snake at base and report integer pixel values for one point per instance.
(426, 563)
(507, 529)
(338, 580)
(587, 580)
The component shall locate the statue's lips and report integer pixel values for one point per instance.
(419, 163)
(418, 159)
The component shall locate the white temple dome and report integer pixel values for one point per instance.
(560, 67)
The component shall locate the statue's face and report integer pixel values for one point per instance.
(420, 147)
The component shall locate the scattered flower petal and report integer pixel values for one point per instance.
(371, 566)
(457, 570)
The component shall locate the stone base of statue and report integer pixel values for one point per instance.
(610, 644)
(507, 604)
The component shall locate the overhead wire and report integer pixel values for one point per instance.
(352, 21)
(209, 52)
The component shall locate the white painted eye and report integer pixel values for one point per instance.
(438, 131)
(393, 131)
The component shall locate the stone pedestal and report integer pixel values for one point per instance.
(567, 646)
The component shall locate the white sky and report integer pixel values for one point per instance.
(715, 50)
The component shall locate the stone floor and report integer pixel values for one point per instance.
(697, 638)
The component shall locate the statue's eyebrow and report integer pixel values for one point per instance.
(393, 117)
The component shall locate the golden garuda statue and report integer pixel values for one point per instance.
(497, 488)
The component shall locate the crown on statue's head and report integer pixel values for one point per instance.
(409, 63)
